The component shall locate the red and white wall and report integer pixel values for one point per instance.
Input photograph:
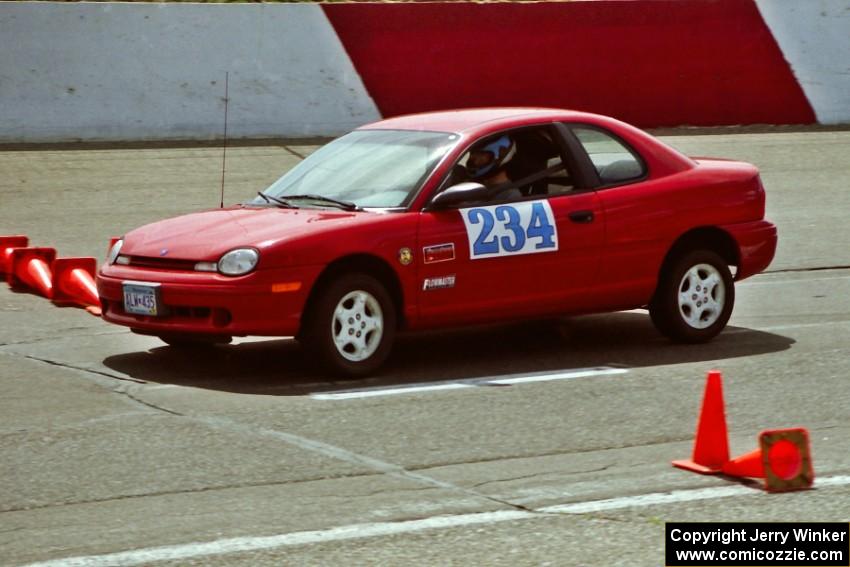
(155, 71)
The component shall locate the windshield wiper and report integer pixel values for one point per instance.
(279, 202)
(345, 205)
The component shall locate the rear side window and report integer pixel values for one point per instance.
(613, 160)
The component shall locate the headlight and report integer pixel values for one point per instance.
(114, 251)
(238, 262)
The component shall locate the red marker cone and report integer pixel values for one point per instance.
(783, 459)
(30, 267)
(7, 244)
(711, 446)
(73, 282)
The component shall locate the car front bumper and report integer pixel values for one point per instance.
(264, 302)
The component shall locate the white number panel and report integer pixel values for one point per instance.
(506, 230)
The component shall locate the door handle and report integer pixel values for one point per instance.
(581, 217)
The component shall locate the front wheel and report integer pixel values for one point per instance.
(694, 298)
(351, 328)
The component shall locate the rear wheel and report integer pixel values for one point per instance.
(694, 298)
(352, 325)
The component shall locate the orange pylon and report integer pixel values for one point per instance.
(73, 282)
(7, 244)
(30, 267)
(783, 459)
(711, 446)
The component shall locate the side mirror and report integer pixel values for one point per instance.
(459, 193)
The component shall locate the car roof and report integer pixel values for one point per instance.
(472, 119)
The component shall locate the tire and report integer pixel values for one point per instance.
(694, 298)
(351, 326)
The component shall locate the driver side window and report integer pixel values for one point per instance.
(515, 165)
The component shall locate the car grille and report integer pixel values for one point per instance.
(161, 263)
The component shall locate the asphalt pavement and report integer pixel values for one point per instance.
(521, 444)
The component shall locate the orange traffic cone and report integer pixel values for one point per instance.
(7, 244)
(747, 465)
(783, 459)
(73, 282)
(30, 267)
(711, 446)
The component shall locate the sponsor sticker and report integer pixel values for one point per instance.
(439, 253)
(442, 282)
(405, 256)
(509, 230)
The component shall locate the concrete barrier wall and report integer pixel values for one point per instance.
(156, 71)
(128, 71)
(815, 38)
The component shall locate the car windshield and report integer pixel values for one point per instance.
(369, 168)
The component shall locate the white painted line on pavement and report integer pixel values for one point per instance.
(789, 281)
(162, 387)
(380, 529)
(370, 393)
(504, 380)
(547, 376)
(788, 327)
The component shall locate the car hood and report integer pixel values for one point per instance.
(207, 235)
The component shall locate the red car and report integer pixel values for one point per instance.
(452, 218)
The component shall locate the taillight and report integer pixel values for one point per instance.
(761, 195)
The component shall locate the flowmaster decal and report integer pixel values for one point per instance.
(442, 282)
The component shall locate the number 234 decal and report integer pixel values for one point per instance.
(505, 230)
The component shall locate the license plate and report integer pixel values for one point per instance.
(141, 298)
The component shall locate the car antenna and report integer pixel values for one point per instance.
(224, 146)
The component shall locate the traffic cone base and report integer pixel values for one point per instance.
(96, 311)
(7, 244)
(73, 281)
(711, 446)
(30, 268)
(787, 460)
(690, 465)
(783, 460)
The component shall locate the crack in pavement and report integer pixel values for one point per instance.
(97, 375)
(328, 450)
(126, 392)
(200, 490)
(325, 449)
(338, 453)
(559, 473)
(225, 487)
(555, 453)
(72, 425)
(82, 369)
(58, 337)
(812, 269)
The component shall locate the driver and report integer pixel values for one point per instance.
(487, 164)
